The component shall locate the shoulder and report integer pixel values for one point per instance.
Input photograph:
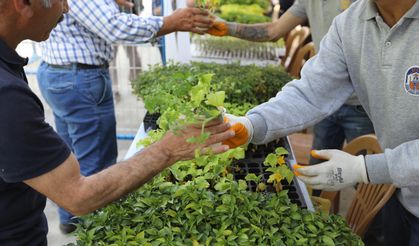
(352, 18)
(16, 97)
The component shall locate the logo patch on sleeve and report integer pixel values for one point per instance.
(411, 81)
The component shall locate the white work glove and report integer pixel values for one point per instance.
(242, 128)
(340, 170)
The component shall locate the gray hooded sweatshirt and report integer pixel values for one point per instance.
(361, 54)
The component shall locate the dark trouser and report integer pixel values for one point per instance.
(401, 228)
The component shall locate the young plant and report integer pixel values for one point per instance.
(280, 171)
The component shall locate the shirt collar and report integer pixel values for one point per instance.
(413, 12)
(10, 56)
(370, 11)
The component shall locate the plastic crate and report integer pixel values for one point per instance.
(253, 163)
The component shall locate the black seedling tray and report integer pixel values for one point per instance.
(150, 121)
(253, 163)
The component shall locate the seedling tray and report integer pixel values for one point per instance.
(253, 163)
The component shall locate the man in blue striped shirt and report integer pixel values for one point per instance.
(74, 75)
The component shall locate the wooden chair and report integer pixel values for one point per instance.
(275, 11)
(294, 40)
(369, 198)
(303, 54)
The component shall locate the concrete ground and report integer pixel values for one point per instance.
(129, 114)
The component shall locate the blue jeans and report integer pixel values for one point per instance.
(82, 103)
(347, 123)
(401, 227)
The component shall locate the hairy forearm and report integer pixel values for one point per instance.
(109, 185)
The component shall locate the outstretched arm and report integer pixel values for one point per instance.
(258, 32)
(80, 195)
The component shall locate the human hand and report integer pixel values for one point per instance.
(176, 147)
(219, 27)
(242, 128)
(125, 3)
(340, 170)
(187, 20)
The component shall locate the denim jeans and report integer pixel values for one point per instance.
(82, 103)
(347, 123)
(401, 227)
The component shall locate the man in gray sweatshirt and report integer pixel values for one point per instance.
(350, 120)
(371, 49)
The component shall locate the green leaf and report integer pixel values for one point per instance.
(281, 151)
(252, 177)
(271, 160)
(216, 99)
(327, 241)
(295, 216)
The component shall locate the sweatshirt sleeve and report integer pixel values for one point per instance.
(398, 166)
(324, 86)
(105, 20)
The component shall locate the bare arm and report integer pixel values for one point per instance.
(262, 32)
(80, 195)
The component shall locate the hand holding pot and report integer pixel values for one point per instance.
(242, 128)
(219, 27)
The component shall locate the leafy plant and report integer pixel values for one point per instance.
(247, 14)
(207, 4)
(262, 3)
(280, 171)
(198, 202)
(242, 84)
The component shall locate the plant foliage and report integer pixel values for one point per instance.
(198, 202)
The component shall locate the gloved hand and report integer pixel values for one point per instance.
(219, 27)
(340, 170)
(243, 129)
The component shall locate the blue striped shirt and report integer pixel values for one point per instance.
(90, 27)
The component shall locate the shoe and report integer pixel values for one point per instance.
(67, 228)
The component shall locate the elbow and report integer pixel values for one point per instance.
(77, 207)
(79, 210)
(77, 200)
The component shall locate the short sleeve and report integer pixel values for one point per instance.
(29, 147)
(298, 9)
